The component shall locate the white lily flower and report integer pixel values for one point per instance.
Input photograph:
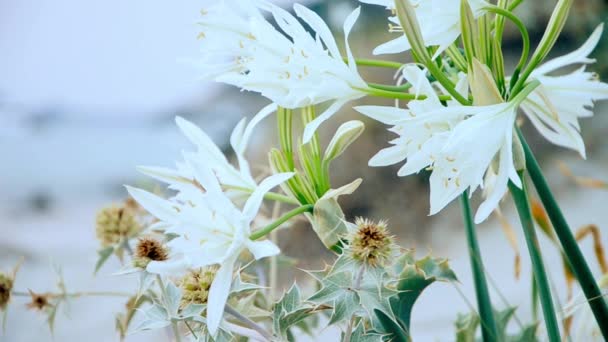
(458, 143)
(238, 183)
(291, 68)
(439, 22)
(210, 230)
(556, 105)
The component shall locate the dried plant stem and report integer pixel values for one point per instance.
(564, 233)
(248, 322)
(77, 294)
(520, 197)
(486, 313)
(356, 286)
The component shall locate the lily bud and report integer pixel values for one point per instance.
(407, 17)
(554, 29)
(346, 134)
(469, 31)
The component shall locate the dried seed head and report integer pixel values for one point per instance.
(196, 284)
(39, 301)
(371, 243)
(6, 286)
(116, 223)
(149, 249)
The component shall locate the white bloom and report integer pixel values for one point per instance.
(210, 230)
(292, 68)
(439, 22)
(555, 106)
(458, 143)
(238, 183)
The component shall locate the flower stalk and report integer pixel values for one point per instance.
(488, 327)
(269, 228)
(564, 233)
(520, 197)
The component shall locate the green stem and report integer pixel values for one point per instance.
(248, 322)
(564, 233)
(522, 30)
(399, 95)
(486, 313)
(273, 196)
(403, 87)
(520, 197)
(284, 121)
(269, 228)
(378, 63)
(446, 83)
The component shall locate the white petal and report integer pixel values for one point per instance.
(170, 268)
(205, 176)
(320, 27)
(396, 45)
(312, 126)
(500, 185)
(252, 206)
(160, 208)
(262, 249)
(386, 114)
(200, 139)
(348, 25)
(389, 156)
(579, 55)
(218, 295)
(261, 115)
(163, 174)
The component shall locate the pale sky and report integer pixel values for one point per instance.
(99, 56)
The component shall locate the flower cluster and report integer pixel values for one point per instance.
(459, 124)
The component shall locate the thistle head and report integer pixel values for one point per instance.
(370, 243)
(116, 223)
(6, 286)
(39, 301)
(196, 284)
(149, 249)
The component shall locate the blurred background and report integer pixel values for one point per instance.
(89, 90)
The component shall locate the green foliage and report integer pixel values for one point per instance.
(289, 311)
(468, 325)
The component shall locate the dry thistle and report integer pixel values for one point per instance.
(149, 249)
(196, 284)
(6, 286)
(116, 223)
(371, 243)
(39, 301)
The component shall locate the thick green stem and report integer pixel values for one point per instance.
(520, 197)
(403, 87)
(378, 63)
(269, 228)
(486, 313)
(564, 233)
(399, 95)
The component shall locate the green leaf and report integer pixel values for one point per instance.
(390, 327)
(238, 286)
(104, 255)
(345, 307)
(359, 335)
(289, 311)
(328, 218)
(466, 327)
